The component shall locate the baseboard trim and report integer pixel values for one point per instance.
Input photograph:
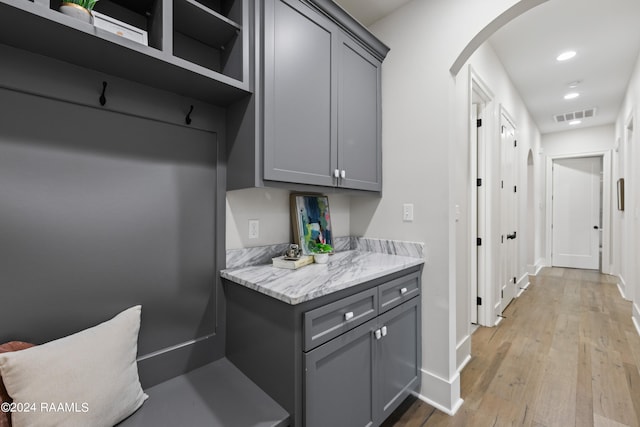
(622, 287)
(442, 394)
(463, 352)
(522, 284)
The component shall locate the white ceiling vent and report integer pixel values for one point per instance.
(575, 115)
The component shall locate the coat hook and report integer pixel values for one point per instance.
(103, 99)
(188, 118)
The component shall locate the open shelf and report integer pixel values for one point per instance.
(205, 37)
(43, 30)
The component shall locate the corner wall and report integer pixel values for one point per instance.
(626, 224)
(424, 160)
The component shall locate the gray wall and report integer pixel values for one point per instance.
(101, 210)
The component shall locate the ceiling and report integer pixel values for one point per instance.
(605, 35)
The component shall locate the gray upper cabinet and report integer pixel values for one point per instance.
(314, 118)
(299, 142)
(359, 118)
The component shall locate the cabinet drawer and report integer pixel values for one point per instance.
(331, 320)
(397, 291)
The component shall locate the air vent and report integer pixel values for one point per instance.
(575, 115)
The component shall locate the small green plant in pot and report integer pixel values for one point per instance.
(320, 252)
(79, 9)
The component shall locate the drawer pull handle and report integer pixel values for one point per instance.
(403, 291)
(348, 316)
(384, 331)
(378, 334)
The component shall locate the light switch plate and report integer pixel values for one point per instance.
(254, 228)
(407, 212)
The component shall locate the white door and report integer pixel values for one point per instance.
(576, 213)
(508, 197)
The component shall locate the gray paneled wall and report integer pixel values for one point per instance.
(100, 211)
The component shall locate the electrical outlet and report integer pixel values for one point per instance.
(254, 228)
(407, 212)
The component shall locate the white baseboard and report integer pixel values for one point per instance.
(463, 352)
(635, 317)
(622, 287)
(441, 394)
(522, 284)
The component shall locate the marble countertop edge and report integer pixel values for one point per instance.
(346, 269)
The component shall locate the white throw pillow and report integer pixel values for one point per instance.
(86, 379)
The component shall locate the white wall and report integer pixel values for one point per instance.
(271, 207)
(579, 141)
(424, 162)
(626, 224)
(487, 66)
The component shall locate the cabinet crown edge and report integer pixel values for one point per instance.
(351, 26)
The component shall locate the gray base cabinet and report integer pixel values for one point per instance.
(345, 359)
(359, 378)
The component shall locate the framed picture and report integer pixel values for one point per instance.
(621, 194)
(310, 220)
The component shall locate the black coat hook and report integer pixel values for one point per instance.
(103, 99)
(188, 118)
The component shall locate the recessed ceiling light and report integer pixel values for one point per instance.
(575, 122)
(566, 55)
(572, 95)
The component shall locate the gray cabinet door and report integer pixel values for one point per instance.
(340, 379)
(299, 117)
(398, 354)
(359, 118)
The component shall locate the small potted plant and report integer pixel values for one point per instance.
(80, 9)
(320, 252)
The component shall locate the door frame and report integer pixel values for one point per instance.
(479, 267)
(506, 117)
(606, 203)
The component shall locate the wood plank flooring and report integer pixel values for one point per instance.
(567, 354)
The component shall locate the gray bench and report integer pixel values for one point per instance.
(215, 395)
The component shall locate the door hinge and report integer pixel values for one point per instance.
(501, 184)
(502, 294)
(502, 239)
(479, 182)
(502, 128)
(514, 280)
(515, 143)
(515, 189)
(479, 241)
(478, 301)
(479, 123)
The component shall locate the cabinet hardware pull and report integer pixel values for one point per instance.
(348, 316)
(378, 334)
(336, 173)
(343, 174)
(384, 331)
(403, 291)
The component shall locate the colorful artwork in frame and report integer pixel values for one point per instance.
(311, 220)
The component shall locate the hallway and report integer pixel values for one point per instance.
(566, 354)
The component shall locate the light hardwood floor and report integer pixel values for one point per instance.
(567, 354)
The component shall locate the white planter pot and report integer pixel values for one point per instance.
(76, 11)
(320, 258)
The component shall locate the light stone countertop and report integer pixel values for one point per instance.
(344, 269)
